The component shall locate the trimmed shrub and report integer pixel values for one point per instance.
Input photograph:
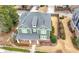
(53, 38)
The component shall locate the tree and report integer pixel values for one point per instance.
(53, 38)
(8, 17)
(77, 42)
(53, 29)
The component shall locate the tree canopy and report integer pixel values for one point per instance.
(53, 38)
(8, 17)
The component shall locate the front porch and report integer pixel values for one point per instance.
(29, 43)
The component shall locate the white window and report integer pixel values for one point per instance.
(34, 26)
(43, 31)
(34, 30)
(43, 37)
(24, 30)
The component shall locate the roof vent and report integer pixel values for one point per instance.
(34, 21)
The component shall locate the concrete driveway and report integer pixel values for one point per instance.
(68, 43)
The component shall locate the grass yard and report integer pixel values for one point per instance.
(39, 52)
(15, 49)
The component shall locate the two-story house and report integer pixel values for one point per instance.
(34, 26)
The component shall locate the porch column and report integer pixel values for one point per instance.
(30, 41)
(18, 41)
(37, 42)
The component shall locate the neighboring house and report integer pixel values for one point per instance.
(34, 26)
(75, 22)
(23, 7)
(63, 9)
(73, 7)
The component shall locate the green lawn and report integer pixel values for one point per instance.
(19, 50)
(39, 52)
(75, 42)
(15, 49)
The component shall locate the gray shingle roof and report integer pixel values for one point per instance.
(30, 19)
(35, 18)
(34, 21)
(22, 36)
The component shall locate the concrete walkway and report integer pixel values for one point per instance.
(32, 50)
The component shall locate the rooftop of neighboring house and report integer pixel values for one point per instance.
(63, 8)
(76, 18)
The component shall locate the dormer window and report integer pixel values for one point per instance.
(34, 25)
